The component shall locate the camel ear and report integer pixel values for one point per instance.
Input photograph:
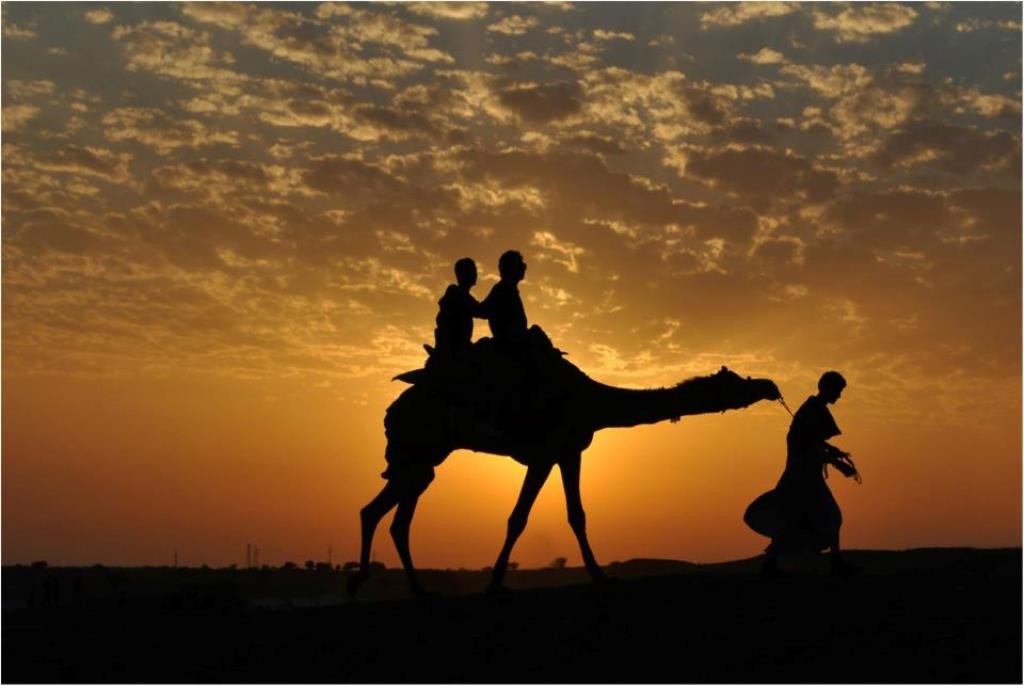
(723, 369)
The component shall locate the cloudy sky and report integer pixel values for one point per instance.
(226, 227)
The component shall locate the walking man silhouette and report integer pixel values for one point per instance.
(801, 512)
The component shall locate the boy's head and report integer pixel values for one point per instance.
(830, 386)
(465, 272)
(511, 266)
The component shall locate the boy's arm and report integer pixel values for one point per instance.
(477, 309)
(484, 307)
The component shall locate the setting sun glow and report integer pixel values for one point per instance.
(227, 226)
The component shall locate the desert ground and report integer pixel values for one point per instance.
(923, 615)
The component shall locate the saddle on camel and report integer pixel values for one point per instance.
(486, 392)
(504, 387)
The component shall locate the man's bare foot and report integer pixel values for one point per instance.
(770, 569)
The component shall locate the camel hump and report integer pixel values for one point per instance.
(488, 390)
(488, 363)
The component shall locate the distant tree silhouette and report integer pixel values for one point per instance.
(289, 565)
(310, 565)
(558, 563)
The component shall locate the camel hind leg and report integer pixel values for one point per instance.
(536, 475)
(369, 517)
(403, 489)
(570, 468)
(408, 498)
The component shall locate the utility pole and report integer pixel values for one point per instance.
(248, 555)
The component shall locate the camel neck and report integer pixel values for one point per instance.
(623, 407)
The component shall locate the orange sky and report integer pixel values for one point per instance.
(226, 227)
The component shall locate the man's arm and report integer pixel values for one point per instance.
(846, 467)
(834, 453)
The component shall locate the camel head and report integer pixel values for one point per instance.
(727, 390)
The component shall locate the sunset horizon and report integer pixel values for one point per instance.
(227, 227)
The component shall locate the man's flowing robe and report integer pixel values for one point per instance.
(801, 513)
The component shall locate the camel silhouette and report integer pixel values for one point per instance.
(423, 426)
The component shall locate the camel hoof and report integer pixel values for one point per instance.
(602, 579)
(354, 582)
(497, 590)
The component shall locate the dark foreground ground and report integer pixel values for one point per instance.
(941, 616)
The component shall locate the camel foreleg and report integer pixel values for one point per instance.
(570, 468)
(536, 475)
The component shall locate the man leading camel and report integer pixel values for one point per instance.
(801, 512)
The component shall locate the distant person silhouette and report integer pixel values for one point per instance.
(456, 309)
(503, 306)
(801, 513)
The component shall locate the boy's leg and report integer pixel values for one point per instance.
(770, 565)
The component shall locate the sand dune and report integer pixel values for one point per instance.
(940, 615)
